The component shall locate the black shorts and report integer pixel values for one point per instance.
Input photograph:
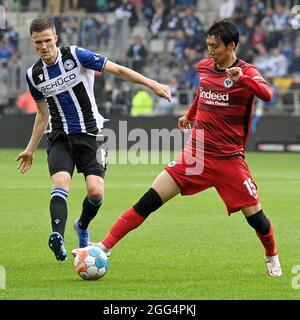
(81, 150)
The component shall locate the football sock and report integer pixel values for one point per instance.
(268, 241)
(128, 221)
(59, 210)
(265, 232)
(90, 208)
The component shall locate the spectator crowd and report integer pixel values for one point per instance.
(268, 39)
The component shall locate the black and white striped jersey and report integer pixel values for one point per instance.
(68, 87)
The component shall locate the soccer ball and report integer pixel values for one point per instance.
(91, 263)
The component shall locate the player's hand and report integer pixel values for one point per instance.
(26, 158)
(162, 90)
(234, 73)
(184, 123)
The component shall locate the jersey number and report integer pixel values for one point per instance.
(250, 186)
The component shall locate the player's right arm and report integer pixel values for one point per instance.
(40, 124)
(185, 121)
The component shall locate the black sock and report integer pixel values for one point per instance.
(90, 208)
(59, 214)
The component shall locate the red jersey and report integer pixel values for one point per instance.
(223, 108)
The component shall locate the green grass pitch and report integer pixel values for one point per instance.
(189, 249)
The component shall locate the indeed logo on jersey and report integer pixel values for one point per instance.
(220, 99)
(58, 84)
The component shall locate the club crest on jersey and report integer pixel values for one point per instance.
(228, 83)
(69, 64)
(97, 56)
(172, 164)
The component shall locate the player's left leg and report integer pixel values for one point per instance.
(90, 155)
(239, 192)
(90, 206)
(265, 232)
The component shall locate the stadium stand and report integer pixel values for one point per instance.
(269, 34)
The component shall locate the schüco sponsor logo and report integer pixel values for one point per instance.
(209, 95)
(58, 82)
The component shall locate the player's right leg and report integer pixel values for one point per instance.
(61, 167)
(59, 213)
(163, 189)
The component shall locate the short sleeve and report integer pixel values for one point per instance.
(90, 60)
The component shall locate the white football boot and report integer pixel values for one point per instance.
(273, 266)
(96, 244)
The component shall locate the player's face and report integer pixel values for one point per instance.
(45, 44)
(218, 51)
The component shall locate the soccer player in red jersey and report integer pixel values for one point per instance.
(221, 113)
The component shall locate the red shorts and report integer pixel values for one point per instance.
(230, 177)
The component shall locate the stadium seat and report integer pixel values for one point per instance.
(140, 30)
(157, 46)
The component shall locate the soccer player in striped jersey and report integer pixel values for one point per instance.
(221, 113)
(61, 82)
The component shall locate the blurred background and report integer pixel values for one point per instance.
(164, 40)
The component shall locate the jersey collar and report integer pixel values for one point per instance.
(233, 65)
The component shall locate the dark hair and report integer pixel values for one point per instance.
(39, 25)
(224, 31)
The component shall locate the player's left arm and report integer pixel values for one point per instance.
(98, 62)
(159, 89)
(252, 81)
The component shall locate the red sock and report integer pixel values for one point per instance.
(268, 241)
(128, 221)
